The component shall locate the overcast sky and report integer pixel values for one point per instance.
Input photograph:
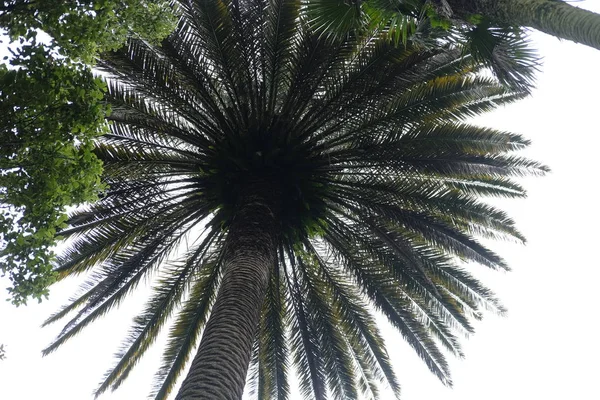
(546, 348)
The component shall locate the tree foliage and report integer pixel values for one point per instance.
(51, 110)
(376, 176)
(82, 28)
(494, 32)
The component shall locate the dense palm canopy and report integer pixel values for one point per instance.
(310, 180)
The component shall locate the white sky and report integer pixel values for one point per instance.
(546, 348)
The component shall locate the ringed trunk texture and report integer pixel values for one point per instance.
(218, 371)
(555, 18)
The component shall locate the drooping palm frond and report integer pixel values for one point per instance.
(188, 326)
(377, 179)
(505, 50)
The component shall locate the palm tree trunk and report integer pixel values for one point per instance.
(555, 18)
(219, 369)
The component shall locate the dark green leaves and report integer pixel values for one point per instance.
(504, 50)
(50, 114)
(52, 110)
(378, 183)
(492, 42)
(81, 29)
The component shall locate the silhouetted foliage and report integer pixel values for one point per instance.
(338, 175)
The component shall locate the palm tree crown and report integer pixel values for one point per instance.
(340, 168)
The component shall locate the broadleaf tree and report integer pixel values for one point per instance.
(82, 28)
(51, 110)
(279, 185)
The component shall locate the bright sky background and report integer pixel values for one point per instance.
(547, 347)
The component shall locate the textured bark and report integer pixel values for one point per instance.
(218, 371)
(555, 18)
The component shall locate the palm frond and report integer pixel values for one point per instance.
(339, 371)
(189, 323)
(505, 50)
(357, 324)
(273, 351)
(117, 279)
(306, 347)
(168, 294)
(384, 291)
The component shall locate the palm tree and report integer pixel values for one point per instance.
(491, 31)
(554, 17)
(279, 186)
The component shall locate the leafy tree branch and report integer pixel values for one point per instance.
(51, 111)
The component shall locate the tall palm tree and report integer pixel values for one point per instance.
(554, 17)
(280, 186)
(492, 31)
(558, 18)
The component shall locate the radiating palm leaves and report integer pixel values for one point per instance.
(499, 45)
(378, 176)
